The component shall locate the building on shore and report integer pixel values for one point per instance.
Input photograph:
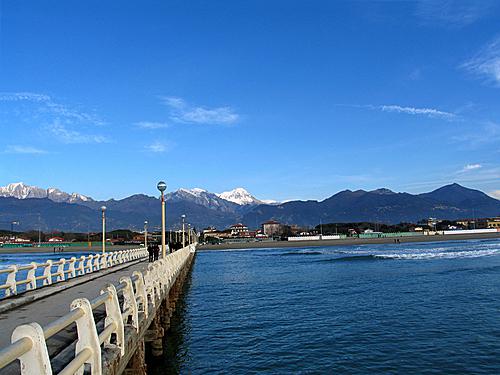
(477, 223)
(239, 230)
(494, 222)
(210, 231)
(272, 228)
(56, 239)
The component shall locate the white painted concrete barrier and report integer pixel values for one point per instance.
(314, 238)
(29, 341)
(470, 231)
(66, 269)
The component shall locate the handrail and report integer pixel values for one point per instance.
(15, 350)
(58, 325)
(29, 342)
(66, 269)
(75, 364)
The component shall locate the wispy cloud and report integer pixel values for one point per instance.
(486, 63)
(46, 104)
(66, 123)
(495, 194)
(453, 13)
(157, 147)
(23, 96)
(151, 125)
(71, 136)
(483, 134)
(471, 167)
(181, 111)
(483, 175)
(430, 112)
(414, 111)
(18, 149)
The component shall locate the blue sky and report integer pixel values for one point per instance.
(289, 99)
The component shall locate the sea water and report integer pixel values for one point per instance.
(416, 308)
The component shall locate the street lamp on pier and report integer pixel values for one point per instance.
(183, 232)
(103, 209)
(145, 233)
(162, 186)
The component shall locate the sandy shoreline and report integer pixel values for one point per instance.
(350, 241)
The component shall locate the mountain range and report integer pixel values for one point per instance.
(53, 209)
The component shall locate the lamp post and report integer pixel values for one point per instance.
(103, 209)
(183, 233)
(189, 234)
(162, 186)
(39, 231)
(145, 233)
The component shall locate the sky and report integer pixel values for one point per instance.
(288, 99)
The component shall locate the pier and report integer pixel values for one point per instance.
(94, 315)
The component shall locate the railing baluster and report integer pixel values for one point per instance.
(60, 270)
(35, 361)
(31, 277)
(89, 264)
(96, 262)
(104, 263)
(87, 336)
(130, 302)
(140, 291)
(71, 267)
(114, 316)
(47, 273)
(11, 281)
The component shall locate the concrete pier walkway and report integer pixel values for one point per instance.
(99, 322)
(49, 309)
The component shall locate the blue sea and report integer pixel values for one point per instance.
(419, 308)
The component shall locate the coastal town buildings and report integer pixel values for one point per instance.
(239, 230)
(210, 231)
(494, 223)
(476, 223)
(272, 228)
(55, 239)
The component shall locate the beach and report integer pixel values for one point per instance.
(349, 241)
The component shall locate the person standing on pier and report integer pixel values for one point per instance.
(156, 251)
(151, 252)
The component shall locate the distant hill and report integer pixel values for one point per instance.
(128, 213)
(448, 202)
(204, 208)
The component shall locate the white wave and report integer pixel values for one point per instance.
(441, 255)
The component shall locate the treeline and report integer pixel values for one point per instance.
(344, 228)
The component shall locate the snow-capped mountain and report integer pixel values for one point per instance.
(204, 198)
(20, 190)
(240, 196)
(231, 202)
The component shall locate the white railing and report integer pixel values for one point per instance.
(141, 293)
(21, 278)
